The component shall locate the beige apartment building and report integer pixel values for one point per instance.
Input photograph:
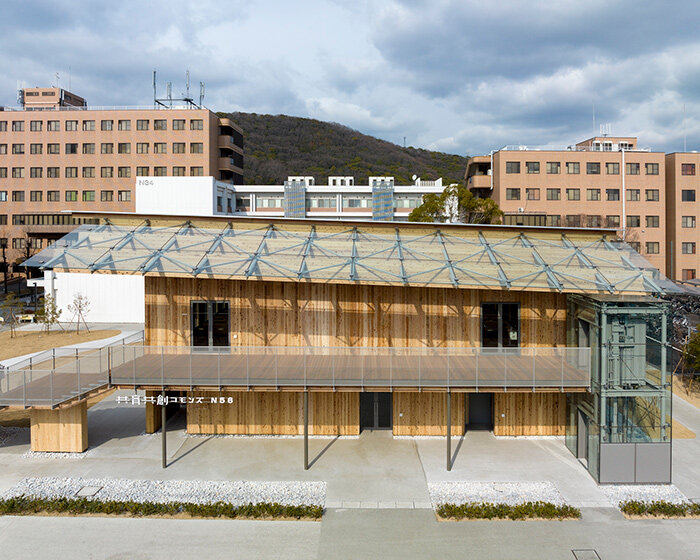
(57, 154)
(600, 182)
(682, 211)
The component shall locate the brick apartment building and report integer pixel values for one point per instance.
(649, 197)
(57, 154)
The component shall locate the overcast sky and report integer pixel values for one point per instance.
(459, 76)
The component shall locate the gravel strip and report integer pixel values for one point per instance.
(162, 491)
(264, 436)
(511, 493)
(56, 455)
(617, 493)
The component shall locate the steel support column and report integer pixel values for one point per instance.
(306, 430)
(164, 455)
(448, 396)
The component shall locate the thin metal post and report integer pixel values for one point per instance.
(562, 372)
(31, 370)
(505, 371)
(306, 430)
(24, 388)
(478, 351)
(218, 368)
(533, 369)
(190, 368)
(109, 364)
(133, 365)
(449, 430)
(51, 382)
(162, 368)
(164, 455)
(77, 369)
(53, 355)
(419, 367)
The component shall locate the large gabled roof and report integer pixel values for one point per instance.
(541, 259)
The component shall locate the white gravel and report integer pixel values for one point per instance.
(263, 436)
(494, 492)
(617, 493)
(53, 455)
(163, 491)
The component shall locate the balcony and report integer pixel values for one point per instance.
(227, 164)
(479, 182)
(50, 380)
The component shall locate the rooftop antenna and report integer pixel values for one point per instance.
(685, 136)
(404, 141)
(169, 92)
(187, 80)
(155, 93)
(58, 80)
(605, 129)
(201, 93)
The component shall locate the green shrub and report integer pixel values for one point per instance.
(24, 505)
(659, 508)
(527, 510)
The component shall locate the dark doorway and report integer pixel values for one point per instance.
(480, 411)
(500, 325)
(210, 323)
(582, 438)
(375, 411)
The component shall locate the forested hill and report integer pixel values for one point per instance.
(277, 146)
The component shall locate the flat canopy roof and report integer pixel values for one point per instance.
(472, 257)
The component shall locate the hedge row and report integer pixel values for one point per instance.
(24, 505)
(659, 509)
(527, 510)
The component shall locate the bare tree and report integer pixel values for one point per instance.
(48, 314)
(79, 308)
(12, 307)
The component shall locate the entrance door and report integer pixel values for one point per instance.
(500, 325)
(375, 411)
(210, 323)
(480, 411)
(582, 438)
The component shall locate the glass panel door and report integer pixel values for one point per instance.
(219, 323)
(489, 325)
(500, 325)
(510, 325)
(200, 323)
(210, 323)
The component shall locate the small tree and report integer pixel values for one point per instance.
(691, 353)
(79, 308)
(48, 313)
(12, 307)
(456, 204)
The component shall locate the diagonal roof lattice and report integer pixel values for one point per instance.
(488, 257)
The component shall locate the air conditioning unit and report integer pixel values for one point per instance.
(521, 209)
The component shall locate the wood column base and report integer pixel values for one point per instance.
(60, 430)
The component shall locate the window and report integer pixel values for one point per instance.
(532, 194)
(142, 147)
(573, 194)
(3, 196)
(553, 168)
(633, 221)
(652, 221)
(573, 167)
(17, 196)
(632, 168)
(688, 195)
(592, 194)
(652, 168)
(17, 148)
(124, 124)
(18, 172)
(687, 169)
(71, 172)
(53, 196)
(142, 124)
(3, 172)
(36, 148)
(196, 148)
(350, 201)
(71, 196)
(107, 125)
(573, 220)
(688, 221)
(3, 148)
(107, 172)
(106, 196)
(593, 168)
(178, 171)
(160, 124)
(612, 194)
(35, 126)
(612, 168)
(652, 195)
(196, 171)
(178, 124)
(632, 194)
(88, 172)
(89, 148)
(88, 196)
(160, 171)
(269, 202)
(688, 274)
(612, 221)
(142, 171)
(124, 148)
(594, 221)
(18, 242)
(330, 202)
(688, 248)
(532, 167)
(124, 172)
(53, 148)
(512, 194)
(652, 247)
(17, 126)
(160, 148)
(3, 222)
(36, 172)
(512, 167)
(196, 124)
(3, 126)
(636, 245)
(71, 148)
(178, 147)
(554, 220)
(107, 148)
(71, 126)
(124, 196)
(53, 126)
(53, 172)
(88, 125)
(553, 194)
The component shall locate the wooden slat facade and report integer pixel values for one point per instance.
(60, 429)
(529, 414)
(425, 414)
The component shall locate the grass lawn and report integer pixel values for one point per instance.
(26, 342)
